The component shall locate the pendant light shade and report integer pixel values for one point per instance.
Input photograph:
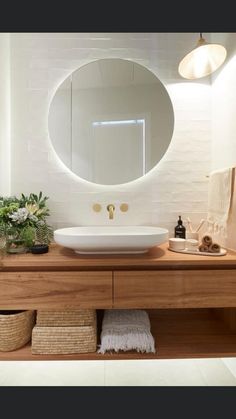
(203, 60)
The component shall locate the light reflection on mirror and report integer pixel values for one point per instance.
(111, 121)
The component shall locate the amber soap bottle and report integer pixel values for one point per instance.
(180, 230)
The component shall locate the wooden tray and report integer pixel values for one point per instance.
(197, 252)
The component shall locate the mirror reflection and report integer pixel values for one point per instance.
(111, 121)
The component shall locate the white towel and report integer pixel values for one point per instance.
(219, 200)
(126, 330)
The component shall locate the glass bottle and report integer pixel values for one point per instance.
(180, 230)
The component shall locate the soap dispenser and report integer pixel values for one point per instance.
(180, 230)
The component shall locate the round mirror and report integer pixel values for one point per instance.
(111, 121)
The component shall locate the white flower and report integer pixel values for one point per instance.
(32, 208)
(33, 217)
(20, 215)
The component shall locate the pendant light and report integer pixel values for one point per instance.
(203, 60)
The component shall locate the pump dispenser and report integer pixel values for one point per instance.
(180, 230)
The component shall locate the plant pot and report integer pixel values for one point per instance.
(15, 246)
(39, 248)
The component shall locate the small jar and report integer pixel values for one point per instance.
(192, 235)
(176, 243)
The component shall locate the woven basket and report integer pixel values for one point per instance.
(15, 329)
(64, 340)
(66, 317)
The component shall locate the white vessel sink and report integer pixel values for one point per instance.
(109, 240)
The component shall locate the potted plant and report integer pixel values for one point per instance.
(23, 222)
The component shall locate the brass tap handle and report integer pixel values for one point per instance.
(111, 209)
(97, 207)
(124, 207)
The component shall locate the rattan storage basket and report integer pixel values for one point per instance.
(64, 339)
(15, 329)
(85, 317)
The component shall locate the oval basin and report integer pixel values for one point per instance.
(110, 240)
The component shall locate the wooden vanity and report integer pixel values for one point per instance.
(191, 299)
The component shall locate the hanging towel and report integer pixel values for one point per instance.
(126, 330)
(219, 200)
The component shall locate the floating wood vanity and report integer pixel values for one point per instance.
(191, 299)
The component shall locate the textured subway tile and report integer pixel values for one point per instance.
(38, 79)
(38, 144)
(40, 62)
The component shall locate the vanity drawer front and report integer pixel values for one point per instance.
(61, 290)
(175, 289)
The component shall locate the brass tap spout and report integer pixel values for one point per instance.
(111, 209)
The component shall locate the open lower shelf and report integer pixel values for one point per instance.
(178, 333)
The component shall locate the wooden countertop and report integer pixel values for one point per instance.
(59, 258)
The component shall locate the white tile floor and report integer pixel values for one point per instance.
(188, 372)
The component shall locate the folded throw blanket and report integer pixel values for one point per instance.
(126, 330)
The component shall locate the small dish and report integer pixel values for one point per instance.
(191, 244)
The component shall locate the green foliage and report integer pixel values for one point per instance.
(28, 236)
(9, 208)
(38, 200)
(2, 229)
(5, 201)
(25, 218)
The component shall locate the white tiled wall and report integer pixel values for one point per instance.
(223, 109)
(177, 185)
(4, 114)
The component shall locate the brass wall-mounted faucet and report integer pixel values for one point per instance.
(111, 209)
